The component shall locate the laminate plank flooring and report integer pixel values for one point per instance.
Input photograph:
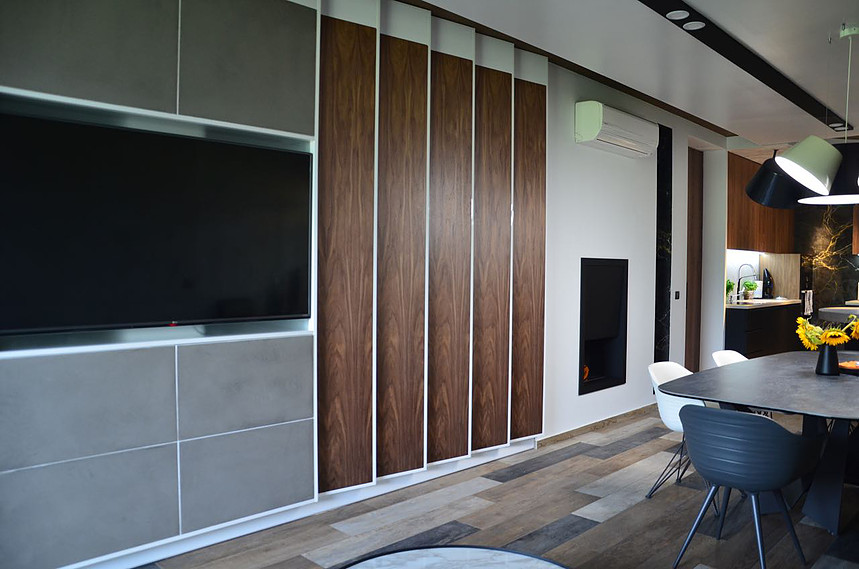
(579, 502)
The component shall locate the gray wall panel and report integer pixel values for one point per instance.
(117, 52)
(250, 62)
(64, 513)
(68, 406)
(239, 385)
(236, 475)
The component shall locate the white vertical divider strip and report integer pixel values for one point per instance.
(427, 26)
(178, 444)
(545, 256)
(377, 12)
(531, 67)
(364, 12)
(314, 261)
(178, 53)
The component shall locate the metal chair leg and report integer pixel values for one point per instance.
(673, 466)
(784, 509)
(724, 515)
(759, 533)
(704, 507)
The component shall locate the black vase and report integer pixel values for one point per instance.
(827, 361)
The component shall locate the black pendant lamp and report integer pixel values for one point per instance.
(772, 187)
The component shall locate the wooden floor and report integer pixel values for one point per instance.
(579, 502)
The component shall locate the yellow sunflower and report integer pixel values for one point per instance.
(834, 336)
(803, 337)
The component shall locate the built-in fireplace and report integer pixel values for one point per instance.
(602, 337)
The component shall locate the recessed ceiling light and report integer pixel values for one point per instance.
(693, 25)
(836, 124)
(839, 128)
(677, 15)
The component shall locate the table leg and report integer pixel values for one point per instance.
(823, 503)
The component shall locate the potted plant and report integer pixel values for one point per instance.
(749, 288)
(729, 288)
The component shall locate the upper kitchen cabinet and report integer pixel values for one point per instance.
(103, 50)
(752, 226)
(251, 62)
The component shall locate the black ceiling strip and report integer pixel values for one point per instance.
(725, 45)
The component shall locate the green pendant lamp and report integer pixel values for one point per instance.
(813, 163)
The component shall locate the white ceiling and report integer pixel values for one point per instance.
(628, 42)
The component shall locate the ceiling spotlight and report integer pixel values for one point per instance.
(839, 128)
(835, 124)
(677, 15)
(693, 25)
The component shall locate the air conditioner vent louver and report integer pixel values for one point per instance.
(609, 129)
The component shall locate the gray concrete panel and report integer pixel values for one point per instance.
(61, 407)
(250, 62)
(68, 512)
(230, 386)
(116, 52)
(240, 474)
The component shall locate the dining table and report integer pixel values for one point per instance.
(787, 383)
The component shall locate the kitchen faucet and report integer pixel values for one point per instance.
(740, 270)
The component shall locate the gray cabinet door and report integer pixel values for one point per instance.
(103, 50)
(251, 62)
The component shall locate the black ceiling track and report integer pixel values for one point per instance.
(722, 43)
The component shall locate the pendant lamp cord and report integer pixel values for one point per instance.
(847, 104)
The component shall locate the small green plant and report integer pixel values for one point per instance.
(729, 287)
(750, 286)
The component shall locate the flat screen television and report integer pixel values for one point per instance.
(106, 228)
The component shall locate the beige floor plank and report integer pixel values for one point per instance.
(354, 546)
(414, 506)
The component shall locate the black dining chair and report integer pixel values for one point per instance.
(751, 453)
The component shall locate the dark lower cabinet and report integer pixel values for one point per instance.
(762, 331)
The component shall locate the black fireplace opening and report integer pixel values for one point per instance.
(602, 332)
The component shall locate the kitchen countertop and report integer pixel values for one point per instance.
(762, 303)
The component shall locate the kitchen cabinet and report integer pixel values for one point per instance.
(752, 226)
(762, 330)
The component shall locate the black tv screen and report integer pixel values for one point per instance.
(111, 228)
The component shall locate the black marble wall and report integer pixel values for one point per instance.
(662, 334)
(824, 238)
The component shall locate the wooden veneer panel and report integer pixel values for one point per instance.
(448, 338)
(345, 272)
(401, 255)
(493, 96)
(694, 244)
(529, 258)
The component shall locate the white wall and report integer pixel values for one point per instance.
(603, 205)
(713, 262)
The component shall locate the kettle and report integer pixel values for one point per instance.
(768, 284)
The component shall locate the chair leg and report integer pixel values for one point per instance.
(673, 466)
(756, 508)
(704, 507)
(783, 503)
(724, 515)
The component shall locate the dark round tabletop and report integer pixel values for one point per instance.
(781, 382)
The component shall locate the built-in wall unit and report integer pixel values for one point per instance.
(267, 258)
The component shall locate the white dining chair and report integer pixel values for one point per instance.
(669, 411)
(725, 357)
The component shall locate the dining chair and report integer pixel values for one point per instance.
(745, 452)
(725, 357)
(669, 408)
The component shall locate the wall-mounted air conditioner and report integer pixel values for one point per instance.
(609, 129)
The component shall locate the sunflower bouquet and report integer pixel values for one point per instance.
(813, 336)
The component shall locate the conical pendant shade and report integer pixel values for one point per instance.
(813, 163)
(845, 187)
(773, 188)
